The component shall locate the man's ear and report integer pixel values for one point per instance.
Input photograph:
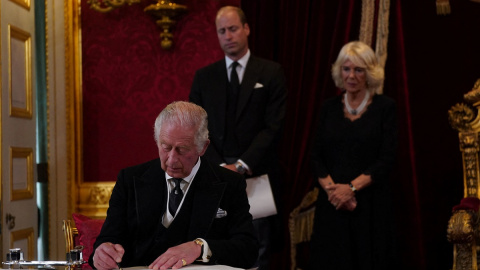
(204, 148)
(247, 28)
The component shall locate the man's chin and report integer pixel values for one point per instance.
(231, 51)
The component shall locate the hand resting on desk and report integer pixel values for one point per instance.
(172, 258)
(107, 255)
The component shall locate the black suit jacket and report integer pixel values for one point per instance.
(259, 116)
(139, 200)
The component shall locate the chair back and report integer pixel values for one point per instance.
(463, 229)
(300, 224)
(71, 234)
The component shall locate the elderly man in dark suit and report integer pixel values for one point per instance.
(179, 209)
(244, 97)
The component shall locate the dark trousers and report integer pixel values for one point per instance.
(263, 232)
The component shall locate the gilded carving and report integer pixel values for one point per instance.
(474, 95)
(464, 225)
(460, 117)
(93, 198)
(99, 195)
(463, 233)
(460, 227)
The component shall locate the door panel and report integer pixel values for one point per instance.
(18, 128)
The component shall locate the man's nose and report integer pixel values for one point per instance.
(172, 157)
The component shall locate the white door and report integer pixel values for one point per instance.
(19, 212)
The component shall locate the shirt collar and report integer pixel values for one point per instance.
(242, 61)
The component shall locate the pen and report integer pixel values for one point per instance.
(119, 267)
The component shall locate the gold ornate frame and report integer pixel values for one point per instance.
(25, 110)
(27, 192)
(90, 199)
(24, 234)
(22, 3)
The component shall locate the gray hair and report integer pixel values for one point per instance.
(185, 114)
(362, 56)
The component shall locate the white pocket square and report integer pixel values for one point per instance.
(258, 85)
(221, 213)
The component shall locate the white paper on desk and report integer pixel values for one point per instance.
(260, 197)
(191, 267)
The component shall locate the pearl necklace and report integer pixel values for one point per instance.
(360, 107)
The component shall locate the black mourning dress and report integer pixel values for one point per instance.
(344, 149)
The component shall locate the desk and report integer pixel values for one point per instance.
(195, 267)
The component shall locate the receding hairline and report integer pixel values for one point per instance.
(237, 10)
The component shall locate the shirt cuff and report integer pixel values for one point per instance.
(207, 253)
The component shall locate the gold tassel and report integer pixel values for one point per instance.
(443, 7)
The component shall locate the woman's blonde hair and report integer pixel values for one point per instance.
(362, 56)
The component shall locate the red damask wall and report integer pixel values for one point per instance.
(128, 79)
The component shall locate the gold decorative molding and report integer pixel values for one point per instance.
(21, 186)
(93, 199)
(463, 233)
(464, 225)
(87, 198)
(466, 121)
(108, 5)
(21, 235)
(23, 3)
(20, 55)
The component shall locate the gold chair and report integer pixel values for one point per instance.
(300, 224)
(71, 233)
(464, 225)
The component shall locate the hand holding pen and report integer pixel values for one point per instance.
(108, 256)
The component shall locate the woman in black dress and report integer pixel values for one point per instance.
(353, 153)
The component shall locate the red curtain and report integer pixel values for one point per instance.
(128, 79)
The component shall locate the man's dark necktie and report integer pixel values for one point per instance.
(234, 81)
(176, 196)
(230, 144)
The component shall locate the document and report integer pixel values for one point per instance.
(260, 197)
(191, 267)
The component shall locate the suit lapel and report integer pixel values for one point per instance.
(150, 196)
(248, 83)
(218, 86)
(208, 194)
(204, 199)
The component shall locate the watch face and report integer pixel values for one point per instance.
(240, 168)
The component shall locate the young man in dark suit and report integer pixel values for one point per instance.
(244, 97)
(179, 209)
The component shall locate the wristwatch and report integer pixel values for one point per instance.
(239, 167)
(199, 242)
(353, 188)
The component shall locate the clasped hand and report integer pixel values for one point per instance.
(341, 197)
(107, 255)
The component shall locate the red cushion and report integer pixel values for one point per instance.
(469, 203)
(88, 230)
